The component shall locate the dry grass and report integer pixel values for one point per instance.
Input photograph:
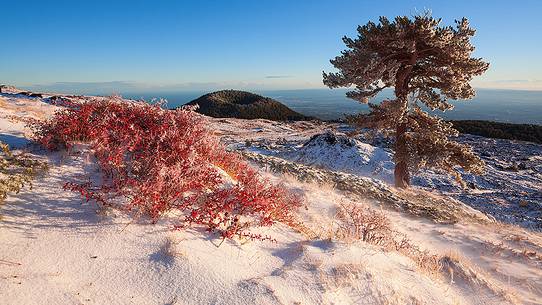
(362, 286)
(419, 203)
(357, 223)
(460, 271)
(519, 242)
(29, 110)
(520, 250)
(353, 222)
(168, 249)
(16, 171)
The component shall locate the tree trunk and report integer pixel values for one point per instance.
(402, 177)
(401, 174)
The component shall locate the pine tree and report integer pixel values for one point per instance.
(425, 63)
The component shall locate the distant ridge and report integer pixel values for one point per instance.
(498, 130)
(244, 105)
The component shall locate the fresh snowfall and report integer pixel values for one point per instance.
(359, 241)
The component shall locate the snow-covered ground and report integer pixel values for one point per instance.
(510, 190)
(56, 249)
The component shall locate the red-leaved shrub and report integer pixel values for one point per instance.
(156, 160)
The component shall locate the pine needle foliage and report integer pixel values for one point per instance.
(426, 64)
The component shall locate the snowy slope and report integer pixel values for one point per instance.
(56, 249)
(510, 190)
(341, 153)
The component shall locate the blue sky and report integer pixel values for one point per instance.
(182, 45)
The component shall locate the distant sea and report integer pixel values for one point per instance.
(512, 106)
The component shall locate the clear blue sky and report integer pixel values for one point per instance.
(260, 44)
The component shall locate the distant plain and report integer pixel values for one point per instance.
(511, 106)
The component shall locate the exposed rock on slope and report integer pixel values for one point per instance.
(244, 105)
(348, 155)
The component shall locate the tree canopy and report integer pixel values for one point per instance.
(425, 63)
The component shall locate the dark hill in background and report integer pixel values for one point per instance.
(488, 129)
(244, 105)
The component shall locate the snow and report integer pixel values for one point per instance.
(341, 153)
(510, 190)
(56, 249)
(14, 107)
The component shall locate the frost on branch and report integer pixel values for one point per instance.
(425, 63)
(157, 160)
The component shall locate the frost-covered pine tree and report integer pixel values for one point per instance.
(425, 63)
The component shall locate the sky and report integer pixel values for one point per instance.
(266, 44)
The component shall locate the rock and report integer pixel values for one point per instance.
(512, 168)
(59, 100)
(282, 141)
(7, 88)
(31, 94)
(331, 139)
(523, 203)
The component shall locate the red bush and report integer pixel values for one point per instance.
(157, 160)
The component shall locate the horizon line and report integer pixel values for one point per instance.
(210, 88)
